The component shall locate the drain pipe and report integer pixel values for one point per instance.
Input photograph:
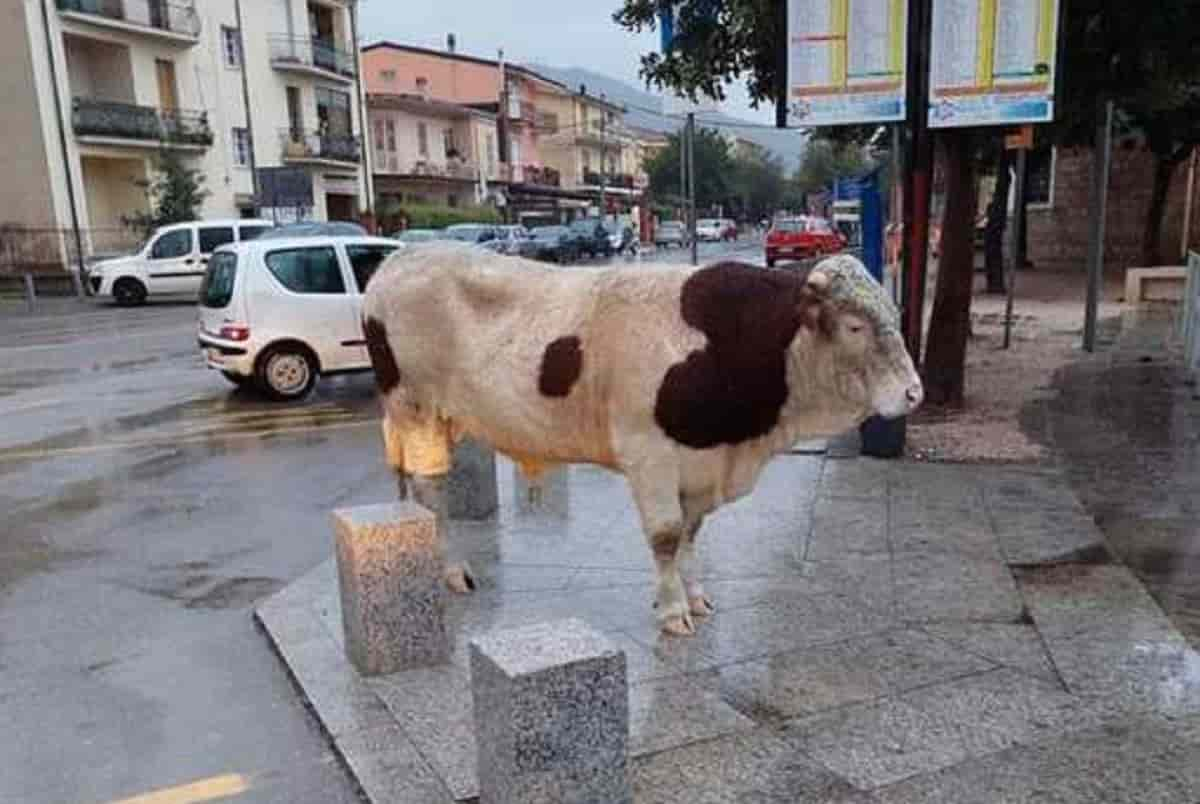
(368, 183)
(254, 187)
(76, 278)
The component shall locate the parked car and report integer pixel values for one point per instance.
(317, 229)
(411, 236)
(305, 319)
(511, 240)
(591, 238)
(709, 230)
(671, 233)
(170, 262)
(800, 238)
(553, 243)
(620, 237)
(471, 232)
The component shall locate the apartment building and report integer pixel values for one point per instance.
(99, 87)
(590, 146)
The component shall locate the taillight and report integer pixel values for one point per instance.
(235, 332)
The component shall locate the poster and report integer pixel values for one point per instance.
(846, 61)
(992, 62)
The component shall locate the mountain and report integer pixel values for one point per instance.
(645, 110)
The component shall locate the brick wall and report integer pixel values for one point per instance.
(1058, 234)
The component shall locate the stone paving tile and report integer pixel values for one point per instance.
(1027, 490)
(1045, 536)
(862, 478)
(930, 530)
(931, 485)
(748, 543)
(879, 743)
(388, 768)
(845, 526)
(867, 579)
(943, 586)
(1138, 762)
(755, 768)
(670, 712)
(1018, 646)
(909, 658)
(1001, 708)
(787, 485)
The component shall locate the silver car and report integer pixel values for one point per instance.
(670, 233)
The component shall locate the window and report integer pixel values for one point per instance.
(213, 236)
(422, 84)
(490, 145)
(231, 46)
(452, 200)
(364, 261)
(587, 160)
(388, 76)
(422, 139)
(252, 232)
(216, 289)
(391, 136)
(307, 270)
(295, 114)
(333, 112)
(1039, 184)
(172, 245)
(241, 147)
(379, 140)
(448, 145)
(550, 123)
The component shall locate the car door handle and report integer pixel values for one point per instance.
(189, 261)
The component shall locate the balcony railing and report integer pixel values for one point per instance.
(321, 54)
(177, 16)
(302, 145)
(542, 176)
(622, 180)
(97, 118)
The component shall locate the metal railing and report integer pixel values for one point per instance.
(315, 52)
(452, 169)
(98, 118)
(542, 176)
(623, 180)
(177, 16)
(319, 145)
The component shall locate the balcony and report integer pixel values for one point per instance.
(614, 181)
(542, 176)
(317, 58)
(110, 123)
(175, 21)
(452, 170)
(312, 147)
(522, 112)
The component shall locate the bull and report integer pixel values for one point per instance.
(685, 380)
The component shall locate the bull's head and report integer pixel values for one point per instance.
(855, 342)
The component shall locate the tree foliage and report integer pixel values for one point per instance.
(174, 195)
(757, 184)
(825, 160)
(713, 169)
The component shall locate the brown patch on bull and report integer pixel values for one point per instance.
(733, 390)
(562, 363)
(383, 360)
(665, 543)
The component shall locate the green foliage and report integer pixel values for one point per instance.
(757, 184)
(431, 216)
(824, 161)
(174, 195)
(713, 169)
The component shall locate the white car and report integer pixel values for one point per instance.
(709, 229)
(171, 262)
(279, 313)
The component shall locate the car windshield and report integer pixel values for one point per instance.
(790, 225)
(584, 226)
(671, 227)
(469, 232)
(707, 223)
(315, 229)
(548, 232)
(418, 235)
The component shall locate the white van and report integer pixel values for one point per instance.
(279, 313)
(171, 262)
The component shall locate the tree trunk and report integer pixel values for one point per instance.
(997, 221)
(1164, 170)
(949, 326)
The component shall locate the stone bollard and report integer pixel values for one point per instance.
(551, 715)
(390, 568)
(471, 485)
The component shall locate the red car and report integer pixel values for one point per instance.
(800, 238)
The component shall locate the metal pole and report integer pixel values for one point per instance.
(683, 168)
(1101, 158)
(76, 278)
(1015, 251)
(254, 187)
(918, 177)
(603, 163)
(691, 149)
(365, 151)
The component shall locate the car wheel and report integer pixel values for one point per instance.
(240, 380)
(770, 262)
(129, 292)
(286, 372)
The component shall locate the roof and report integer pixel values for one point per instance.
(215, 222)
(312, 240)
(445, 54)
(421, 105)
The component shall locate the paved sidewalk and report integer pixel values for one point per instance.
(885, 632)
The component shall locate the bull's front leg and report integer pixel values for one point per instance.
(656, 491)
(699, 604)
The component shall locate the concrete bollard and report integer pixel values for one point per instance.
(551, 715)
(471, 485)
(390, 566)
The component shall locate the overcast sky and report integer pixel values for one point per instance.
(559, 33)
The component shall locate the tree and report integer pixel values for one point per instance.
(174, 195)
(825, 160)
(1144, 59)
(757, 184)
(713, 169)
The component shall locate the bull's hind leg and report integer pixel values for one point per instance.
(699, 604)
(656, 491)
(424, 451)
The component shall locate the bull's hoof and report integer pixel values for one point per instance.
(460, 579)
(679, 625)
(700, 606)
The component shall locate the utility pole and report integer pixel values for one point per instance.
(691, 184)
(1101, 160)
(603, 161)
(1018, 232)
(365, 151)
(918, 177)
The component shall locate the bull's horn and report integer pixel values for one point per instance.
(818, 281)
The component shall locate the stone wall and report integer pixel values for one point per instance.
(1058, 233)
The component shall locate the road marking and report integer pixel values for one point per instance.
(213, 787)
(173, 441)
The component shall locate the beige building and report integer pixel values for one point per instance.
(585, 139)
(96, 88)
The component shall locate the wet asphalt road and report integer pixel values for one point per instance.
(146, 508)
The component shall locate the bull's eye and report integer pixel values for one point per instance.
(855, 328)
